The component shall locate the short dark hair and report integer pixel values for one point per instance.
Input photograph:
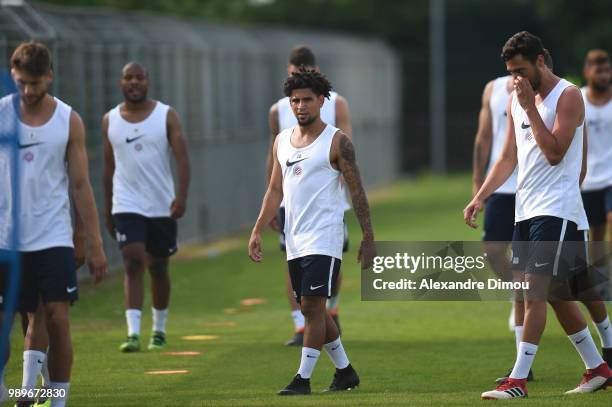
(33, 58)
(302, 55)
(523, 43)
(596, 57)
(307, 79)
(548, 59)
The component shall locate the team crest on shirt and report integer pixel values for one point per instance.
(138, 147)
(29, 156)
(297, 170)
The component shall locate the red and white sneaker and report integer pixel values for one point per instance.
(508, 389)
(593, 380)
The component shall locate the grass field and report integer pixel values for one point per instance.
(407, 353)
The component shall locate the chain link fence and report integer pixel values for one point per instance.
(222, 80)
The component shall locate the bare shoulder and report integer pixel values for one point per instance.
(487, 91)
(571, 101)
(341, 102)
(76, 123)
(273, 109)
(342, 144)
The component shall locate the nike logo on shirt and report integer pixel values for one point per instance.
(525, 126)
(290, 163)
(129, 140)
(29, 145)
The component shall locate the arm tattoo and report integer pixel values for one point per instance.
(348, 167)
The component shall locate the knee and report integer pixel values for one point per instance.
(159, 269)
(56, 316)
(134, 264)
(312, 309)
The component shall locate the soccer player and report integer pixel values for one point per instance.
(141, 206)
(545, 140)
(52, 155)
(597, 185)
(308, 162)
(335, 111)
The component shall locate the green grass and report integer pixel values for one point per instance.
(407, 353)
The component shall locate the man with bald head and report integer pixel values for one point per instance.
(141, 205)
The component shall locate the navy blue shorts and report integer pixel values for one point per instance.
(157, 234)
(49, 275)
(499, 218)
(597, 204)
(550, 246)
(281, 221)
(314, 275)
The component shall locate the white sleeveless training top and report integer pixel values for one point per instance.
(599, 153)
(313, 197)
(44, 203)
(498, 104)
(287, 120)
(544, 189)
(142, 182)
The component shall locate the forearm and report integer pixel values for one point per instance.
(108, 193)
(479, 162)
(271, 202)
(86, 207)
(183, 170)
(362, 211)
(548, 143)
(500, 172)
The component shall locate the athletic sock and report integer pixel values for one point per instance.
(44, 373)
(584, 344)
(332, 303)
(308, 362)
(524, 360)
(160, 316)
(298, 320)
(33, 361)
(518, 335)
(133, 321)
(605, 332)
(60, 388)
(336, 352)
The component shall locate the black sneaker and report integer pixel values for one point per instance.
(336, 319)
(298, 386)
(297, 340)
(500, 380)
(344, 379)
(607, 356)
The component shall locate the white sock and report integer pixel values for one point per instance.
(584, 344)
(33, 361)
(44, 373)
(160, 316)
(309, 360)
(298, 320)
(336, 352)
(62, 388)
(524, 360)
(518, 335)
(133, 321)
(332, 302)
(605, 332)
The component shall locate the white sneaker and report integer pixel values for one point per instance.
(593, 380)
(508, 389)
